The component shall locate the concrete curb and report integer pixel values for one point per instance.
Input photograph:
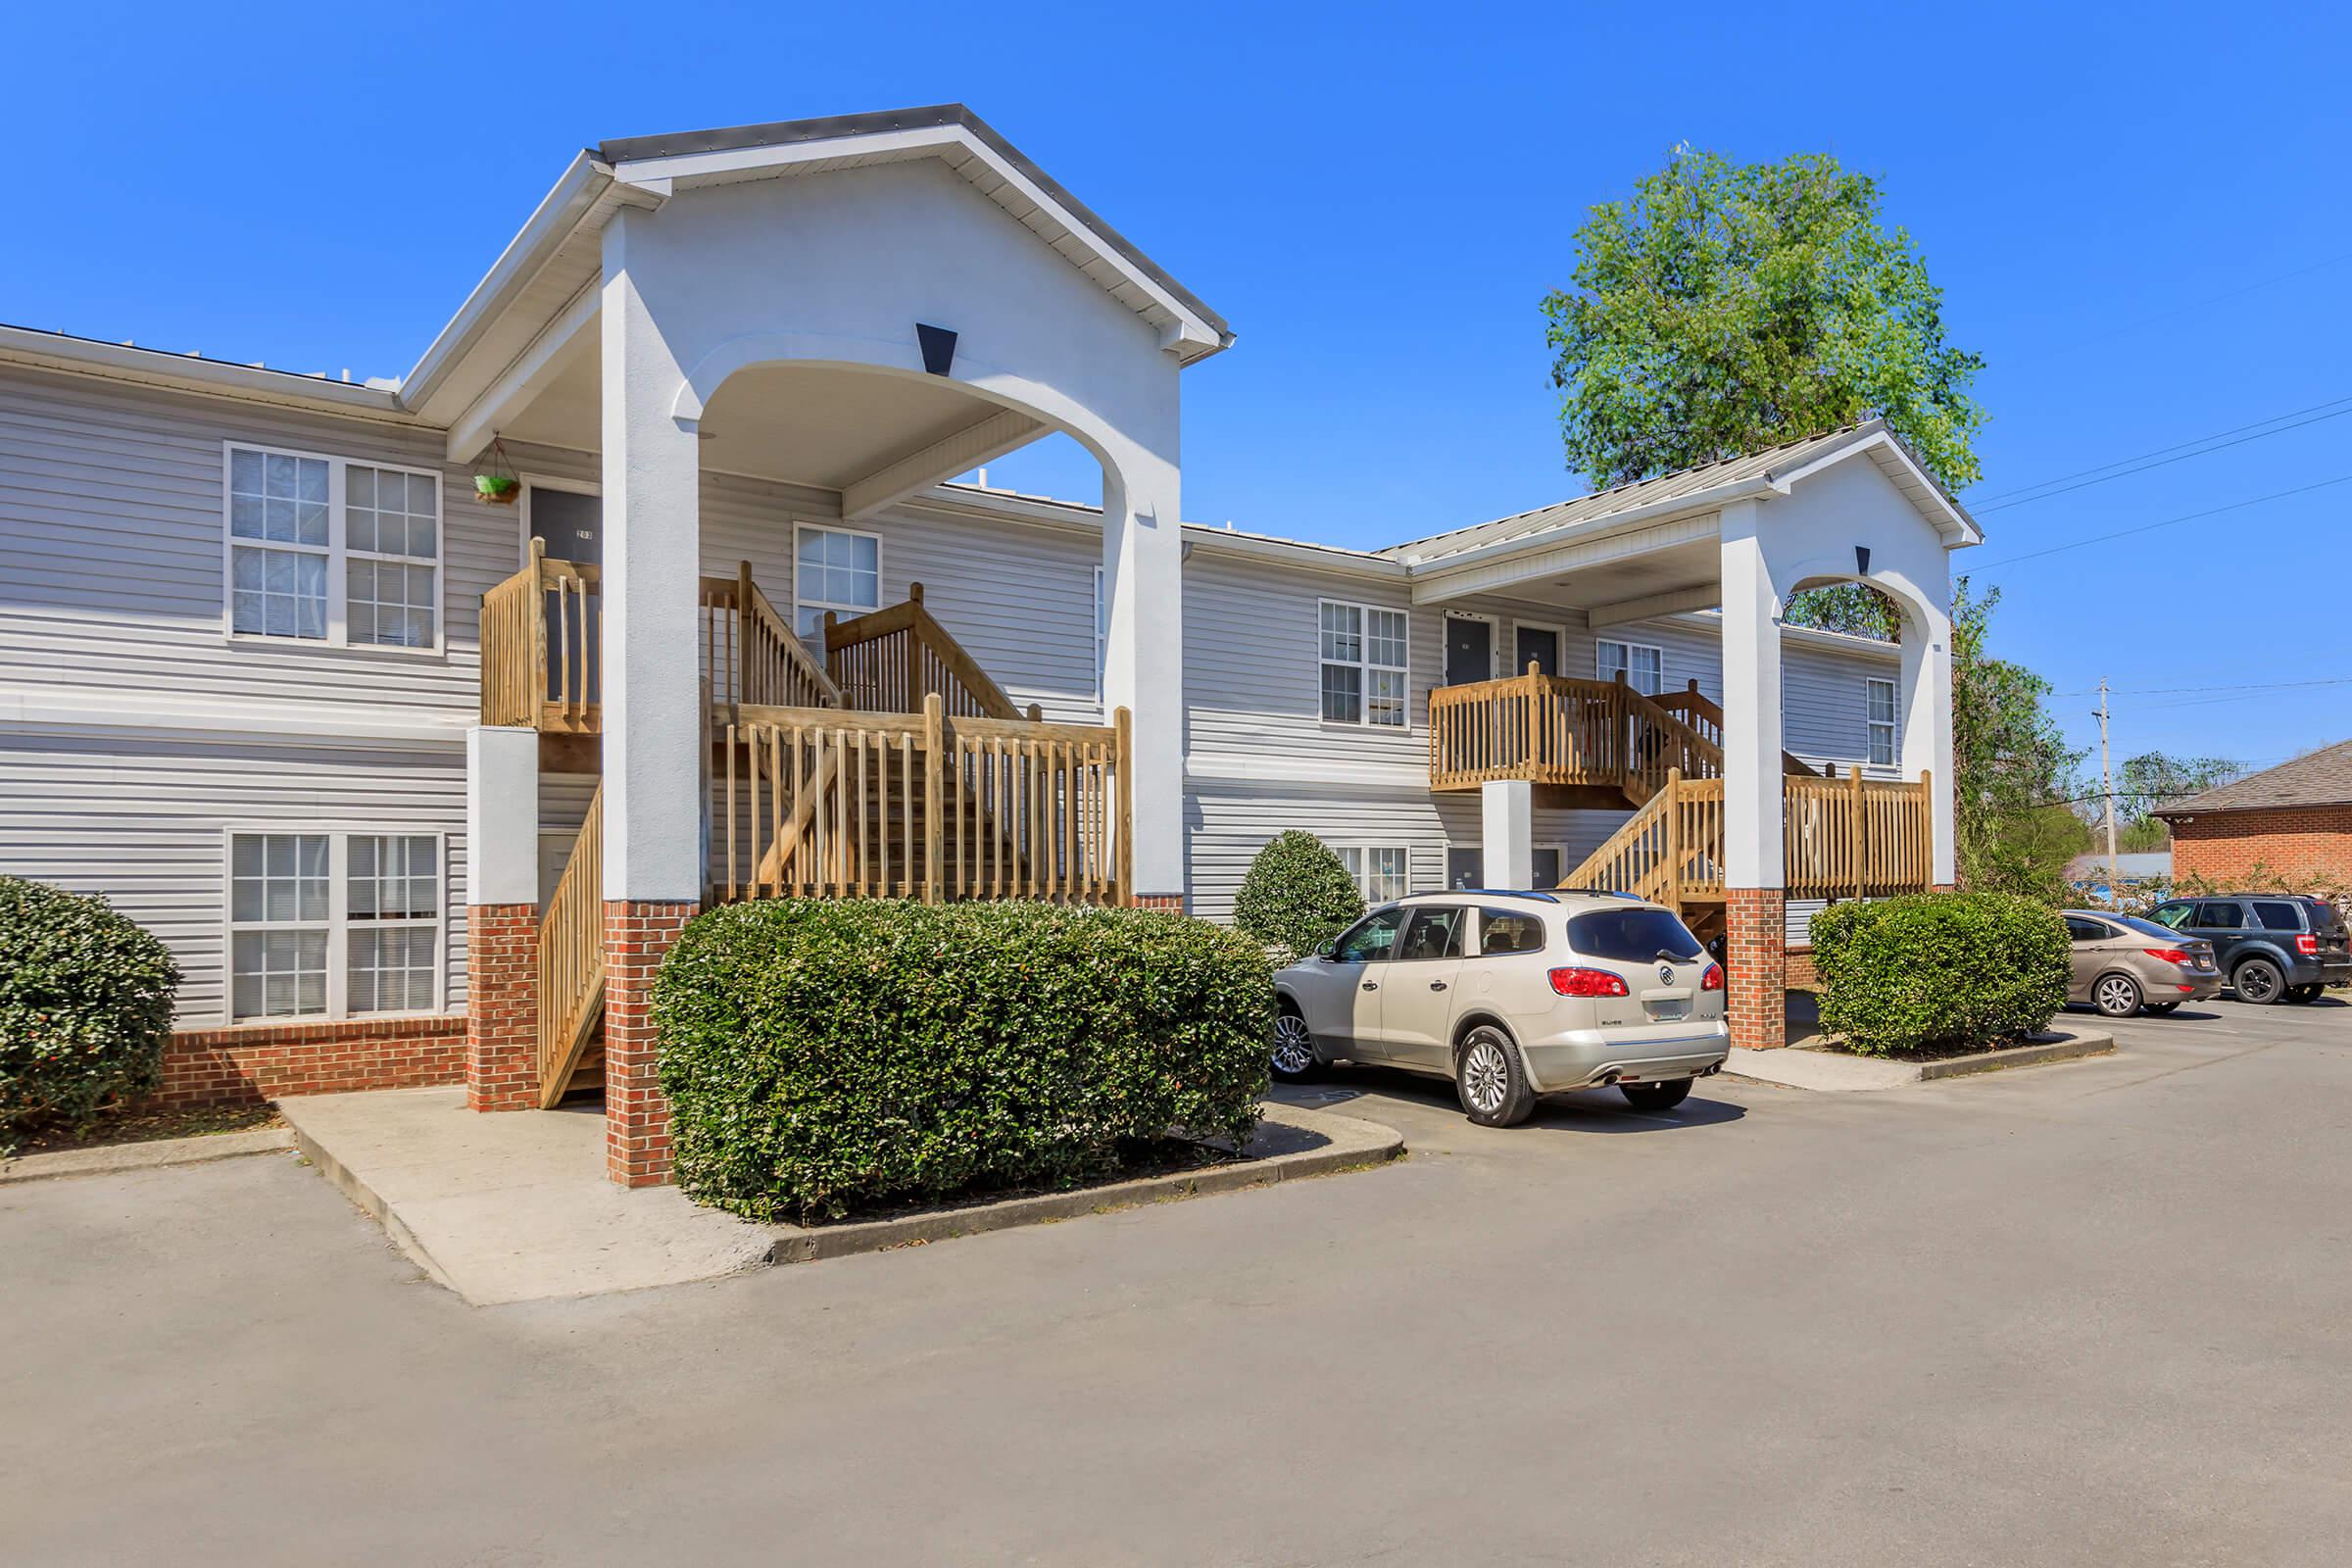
(1835, 1072)
(339, 1176)
(149, 1156)
(1351, 1145)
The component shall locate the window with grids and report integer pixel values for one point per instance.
(332, 925)
(1881, 700)
(1363, 665)
(1643, 665)
(1381, 871)
(329, 551)
(836, 570)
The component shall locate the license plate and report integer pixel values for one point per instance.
(1673, 1008)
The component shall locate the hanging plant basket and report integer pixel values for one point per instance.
(497, 481)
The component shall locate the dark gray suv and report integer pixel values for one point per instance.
(2274, 947)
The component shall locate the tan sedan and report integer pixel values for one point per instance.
(2123, 963)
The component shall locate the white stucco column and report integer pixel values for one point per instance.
(650, 669)
(1751, 705)
(1506, 809)
(1927, 648)
(501, 815)
(1143, 660)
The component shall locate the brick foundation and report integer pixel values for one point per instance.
(1755, 964)
(502, 989)
(2299, 843)
(1161, 901)
(636, 1115)
(244, 1065)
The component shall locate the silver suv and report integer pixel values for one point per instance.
(1511, 996)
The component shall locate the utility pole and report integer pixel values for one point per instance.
(2107, 786)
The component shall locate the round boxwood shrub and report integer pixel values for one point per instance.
(823, 1055)
(1939, 970)
(1297, 896)
(85, 1005)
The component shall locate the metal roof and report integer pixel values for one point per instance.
(1665, 488)
(831, 127)
(2322, 778)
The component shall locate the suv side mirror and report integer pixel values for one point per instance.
(1329, 949)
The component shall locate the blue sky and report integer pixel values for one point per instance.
(2140, 216)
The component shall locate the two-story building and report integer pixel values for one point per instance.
(417, 718)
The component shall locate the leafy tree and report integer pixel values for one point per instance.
(1296, 894)
(2013, 769)
(2153, 780)
(1729, 307)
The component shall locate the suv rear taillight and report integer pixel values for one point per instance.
(2167, 955)
(1589, 983)
(2307, 943)
(1712, 980)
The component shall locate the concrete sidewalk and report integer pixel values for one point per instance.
(514, 1206)
(1820, 1068)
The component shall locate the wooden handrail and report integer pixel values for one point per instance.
(1857, 838)
(571, 957)
(540, 634)
(832, 802)
(750, 654)
(1558, 729)
(887, 662)
(1703, 713)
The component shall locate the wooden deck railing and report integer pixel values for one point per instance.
(750, 654)
(1853, 838)
(1557, 730)
(821, 803)
(571, 957)
(541, 647)
(890, 660)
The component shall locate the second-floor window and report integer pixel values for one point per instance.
(834, 568)
(1362, 664)
(1880, 695)
(321, 549)
(1643, 665)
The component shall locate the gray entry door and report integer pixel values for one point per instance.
(1469, 651)
(1539, 645)
(572, 526)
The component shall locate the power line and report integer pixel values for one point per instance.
(2150, 527)
(2247, 686)
(2163, 457)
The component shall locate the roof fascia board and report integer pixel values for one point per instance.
(1592, 528)
(1573, 547)
(562, 208)
(1957, 527)
(684, 170)
(1650, 606)
(517, 381)
(72, 356)
(1292, 552)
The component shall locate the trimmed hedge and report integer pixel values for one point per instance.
(1297, 895)
(85, 1006)
(825, 1056)
(1943, 970)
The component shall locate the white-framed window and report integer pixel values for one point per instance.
(1643, 665)
(1382, 872)
(1363, 660)
(839, 569)
(1879, 698)
(322, 549)
(333, 923)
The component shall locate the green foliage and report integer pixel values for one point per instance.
(1729, 307)
(85, 1006)
(1854, 608)
(2142, 836)
(1945, 970)
(822, 1056)
(1297, 895)
(2011, 766)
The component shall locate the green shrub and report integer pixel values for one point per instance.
(85, 1005)
(822, 1056)
(1297, 895)
(1944, 970)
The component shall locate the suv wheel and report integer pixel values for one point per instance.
(1490, 1079)
(2259, 981)
(2116, 994)
(1292, 1054)
(1656, 1096)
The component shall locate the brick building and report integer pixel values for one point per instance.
(2293, 820)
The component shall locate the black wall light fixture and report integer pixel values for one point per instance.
(939, 347)
(1862, 561)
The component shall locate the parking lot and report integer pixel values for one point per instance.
(2087, 1313)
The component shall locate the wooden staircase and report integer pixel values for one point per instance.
(894, 768)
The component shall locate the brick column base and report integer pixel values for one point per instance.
(636, 1115)
(502, 1007)
(1161, 901)
(1756, 958)
(1943, 887)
